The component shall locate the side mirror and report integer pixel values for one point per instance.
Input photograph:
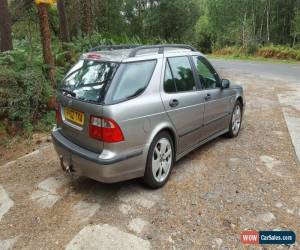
(225, 84)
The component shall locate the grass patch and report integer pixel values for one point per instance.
(252, 58)
(272, 53)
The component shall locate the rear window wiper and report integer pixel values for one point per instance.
(69, 92)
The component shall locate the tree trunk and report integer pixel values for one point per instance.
(63, 22)
(268, 20)
(5, 27)
(253, 21)
(87, 25)
(261, 26)
(46, 41)
(244, 29)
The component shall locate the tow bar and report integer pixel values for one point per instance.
(65, 167)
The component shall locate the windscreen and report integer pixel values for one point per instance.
(87, 79)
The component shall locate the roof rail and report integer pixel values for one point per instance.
(160, 48)
(114, 47)
(137, 47)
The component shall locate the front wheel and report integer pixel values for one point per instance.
(159, 161)
(235, 121)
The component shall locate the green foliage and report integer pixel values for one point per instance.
(24, 92)
(46, 122)
(279, 52)
(203, 34)
(296, 26)
(176, 19)
(271, 51)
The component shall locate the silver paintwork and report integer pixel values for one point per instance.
(192, 123)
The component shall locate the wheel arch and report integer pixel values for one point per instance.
(164, 127)
(240, 99)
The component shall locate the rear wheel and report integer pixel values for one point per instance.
(236, 120)
(159, 161)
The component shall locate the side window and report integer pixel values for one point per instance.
(134, 79)
(182, 73)
(207, 75)
(169, 83)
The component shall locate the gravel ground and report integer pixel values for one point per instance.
(224, 187)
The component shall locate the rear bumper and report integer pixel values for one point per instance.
(101, 167)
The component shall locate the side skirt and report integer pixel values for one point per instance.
(178, 157)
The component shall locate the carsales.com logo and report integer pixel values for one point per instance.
(268, 237)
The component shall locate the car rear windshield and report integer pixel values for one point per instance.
(87, 80)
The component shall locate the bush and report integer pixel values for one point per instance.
(272, 51)
(232, 51)
(251, 48)
(279, 52)
(23, 98)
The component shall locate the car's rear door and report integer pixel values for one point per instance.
(182, 100)
(79, 99)
(75, 119)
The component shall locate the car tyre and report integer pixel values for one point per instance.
(236, 120)
(160, 161)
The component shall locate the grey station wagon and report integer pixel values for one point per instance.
(132, 111)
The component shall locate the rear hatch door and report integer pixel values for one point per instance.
(75, 122)
(80, 96)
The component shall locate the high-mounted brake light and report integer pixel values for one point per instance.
(94, 56)
(105, 129)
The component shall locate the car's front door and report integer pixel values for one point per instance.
(216, 99)
(183, 101)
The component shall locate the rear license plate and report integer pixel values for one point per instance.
(74, 116)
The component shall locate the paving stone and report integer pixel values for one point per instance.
(137, 195)
(52, 184)
(125, 209)
(46, 195)
(269, 161)
(293, 124)
(44, 198)
(5, 202)
(84, 210)
(106, 237)
(291, 98)
(137, 225)
(8, 244)
(266, 217)
(218, 242)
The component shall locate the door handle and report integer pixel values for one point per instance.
(173, 103)
(207, 97)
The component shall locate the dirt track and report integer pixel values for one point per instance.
(224, 187)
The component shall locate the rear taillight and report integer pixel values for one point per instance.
(105, 129)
